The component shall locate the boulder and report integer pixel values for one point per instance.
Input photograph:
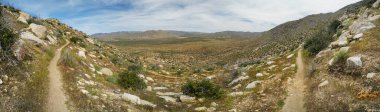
(290, 56)
(354, 62)
(168, 99)
(344, 49)
(252, 84)
(373, 18)
(272, 67)
(358, 36)
(85, 92)
(185, 98)
(1, 81)
(270, 62)
(376, 4)
(19, 50)
(211, 109)
(82, 54)
(371, 75)
(52, 39)
(160, 88)
(39, 30)
(90, 40)
(24, 17)
(233, 94)
(241, 78)
(213, 104)
(259, 75)
(331, 62)
(200, 109)
(237, 86)
(30, 36)
(339, 43)
(106, 71)
(360, 26)
(149, 88)
(168, 94)
(136, 100)
(149, 79)
(324, 83)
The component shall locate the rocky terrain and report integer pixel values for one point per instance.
(283, 69)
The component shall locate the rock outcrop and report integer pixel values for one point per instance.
(24, 17)
(136, 100)
(354, 62)
(106, 71)
(39, 30)
(30, 36)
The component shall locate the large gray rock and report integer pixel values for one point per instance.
(168, 94)
(234, 94)
(376, 4)
(241, 78)
(106, 71)
(200, 109)
(185, 98)
(136, 100)
(354, 62)
(90, 40)
(361, 25)
(82, 54)
(168, 99)
(19, 50)
(324, 83)
(358, 36)
(371, 75)
(24, 17)
(52, 39)
(341, 42)
(39, 30)
(30, 36)
(252, 84)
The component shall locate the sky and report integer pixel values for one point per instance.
(101, 16)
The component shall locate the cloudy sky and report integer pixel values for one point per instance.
(96, 16)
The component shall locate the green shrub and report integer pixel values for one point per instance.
(75, 40)
(322, 39)
(203, 89)
(68, 58)
(340, 57)
(112, 79)
(7, 38)
(130, 80)
(135, 68)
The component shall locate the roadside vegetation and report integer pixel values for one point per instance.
(203, 89)
(322, 39)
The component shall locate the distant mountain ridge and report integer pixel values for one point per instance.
(159, 34)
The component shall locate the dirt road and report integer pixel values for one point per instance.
(56, 98)
(295, 100)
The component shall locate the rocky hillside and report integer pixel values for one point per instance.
(204, 72)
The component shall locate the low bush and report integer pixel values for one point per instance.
(68, 58)
(75, 40)
(7, 38)
(135, 68)
(322, 39)
(130, 80)
(203, 89)
(340, 57)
